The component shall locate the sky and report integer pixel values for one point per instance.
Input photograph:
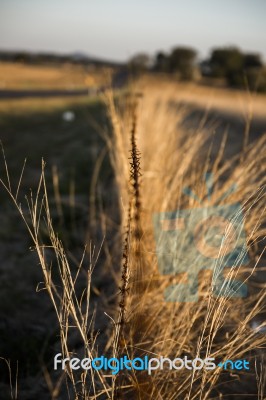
(118, 29)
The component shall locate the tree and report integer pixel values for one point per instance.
(182, 60)
(139, 63)
(238, 68)
(255, 74)
(226, 60)
(252, 60)
(161, 62)
(228, 63)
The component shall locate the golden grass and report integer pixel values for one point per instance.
(61, 76)
(219, 327)
(31, 105)
(170, 159)
(238, 103)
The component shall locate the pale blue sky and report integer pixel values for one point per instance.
(117, 29)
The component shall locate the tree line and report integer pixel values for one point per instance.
(238, 69)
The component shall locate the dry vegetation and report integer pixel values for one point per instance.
(243, 104)
(221, 327)
(154, 156)
(61, 76)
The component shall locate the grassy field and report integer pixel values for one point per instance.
(61, 76)
(36, 130)
(117, 162)
(243, 104)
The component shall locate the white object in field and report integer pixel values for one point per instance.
(258, 327)
(68, 116)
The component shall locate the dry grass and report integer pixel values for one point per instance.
(65, 76)
(238, 103)
(221, 327)
(29, 105)
(214, 326)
